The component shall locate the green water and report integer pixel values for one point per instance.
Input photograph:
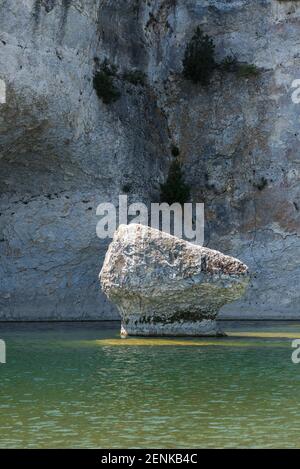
(79, 386)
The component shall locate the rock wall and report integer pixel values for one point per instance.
(62, 151)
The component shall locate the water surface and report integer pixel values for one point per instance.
(80, 386)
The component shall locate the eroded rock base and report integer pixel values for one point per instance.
(201, 328)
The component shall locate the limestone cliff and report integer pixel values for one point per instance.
(63, 151)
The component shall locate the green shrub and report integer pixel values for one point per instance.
(243, 70)
(175, 151)
(135, 77)
(175, 189)
(109, 68)
(247, 70)
(126, 188)
(262, 184)
(104, 83)
(229, 64)
(199, 61)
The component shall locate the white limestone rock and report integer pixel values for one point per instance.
(164, 286)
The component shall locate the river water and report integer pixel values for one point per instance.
(78, 385)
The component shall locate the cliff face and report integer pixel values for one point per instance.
(62, 151)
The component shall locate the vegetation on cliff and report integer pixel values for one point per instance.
(104, 83)
(175, 189)
(199, 59)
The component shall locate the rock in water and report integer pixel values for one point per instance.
(164, 286)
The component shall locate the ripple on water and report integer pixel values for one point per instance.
(84, 387)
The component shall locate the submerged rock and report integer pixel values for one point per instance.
(164, 286)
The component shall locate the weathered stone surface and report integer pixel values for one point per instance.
(62, 151)
(166, 286)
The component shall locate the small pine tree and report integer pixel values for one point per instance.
(105, 87)
(175, 189)
(199, 61)
(103, 82)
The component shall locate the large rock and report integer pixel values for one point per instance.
(163, 285)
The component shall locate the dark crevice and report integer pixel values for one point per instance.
(37, 11)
